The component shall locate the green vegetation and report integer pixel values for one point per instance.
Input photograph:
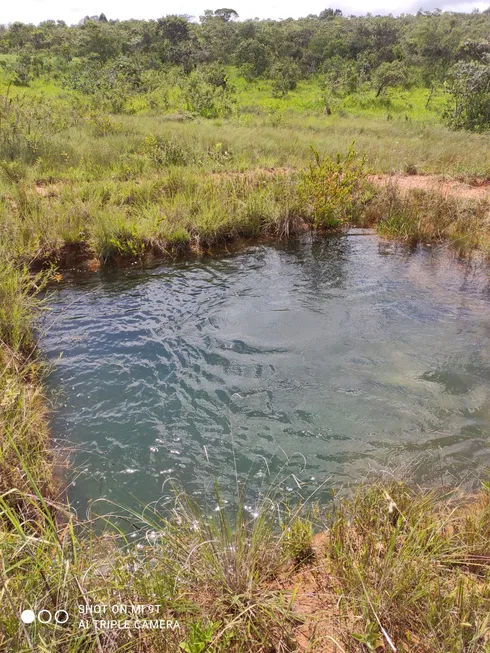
(429, 217)
(130, 66)
(415, 566)
(23, 425)
(332, 191)
(123, 138)
(470, 90)
(394, 567)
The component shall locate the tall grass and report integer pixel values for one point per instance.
(412, 569)
(402, 569)
(23, 424)
(429, 216)
(212, 577)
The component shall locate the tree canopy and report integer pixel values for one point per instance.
(425, 49)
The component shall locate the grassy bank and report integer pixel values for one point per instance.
(393, 568)
(78, 182)
(183, 209)
(23, 410)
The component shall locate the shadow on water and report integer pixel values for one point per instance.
(316, 361)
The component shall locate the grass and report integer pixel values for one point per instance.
(252, 141)
(427, 217)
(406, 569)
(427, 581)
(183, 210)
(409, 569)
(23, 409)
(77, 178)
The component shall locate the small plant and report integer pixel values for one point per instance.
(298, 538)
(220, 154)
(371, 638)
(165, 151)
(275, 114)
(27, 126)
(199, 638)
(333, 190)
(101, 123)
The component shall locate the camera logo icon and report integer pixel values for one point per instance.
(45, 616)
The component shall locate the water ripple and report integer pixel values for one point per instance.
(350, 353)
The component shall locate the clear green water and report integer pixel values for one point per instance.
(320, 360)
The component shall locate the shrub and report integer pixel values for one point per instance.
(333, 190)
(285, 78)
(203, 95)
(275, 114)
(469, 88)
(101, 123)
(165, 151)
(27, 126)
(20, 70)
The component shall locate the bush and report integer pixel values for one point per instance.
(208, 99)
(341, 77)
(101, 123)
(275, 114)
(388, 75)
(165, 151)
(285, 78)
(298, 538)
(469, 88)
(333, 190)
(19, 71)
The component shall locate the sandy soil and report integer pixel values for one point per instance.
(480, 190)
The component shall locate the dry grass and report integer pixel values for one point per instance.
(397, 568)
(414, 216)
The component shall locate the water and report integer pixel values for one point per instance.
(318, 361)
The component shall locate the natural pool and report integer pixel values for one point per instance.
(319, 360)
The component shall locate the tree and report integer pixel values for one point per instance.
(19, 71)
(205, 98)
(253, 57)
(285, 77)
(173, 28)
(226, 14)
(329, 14)
(390, 74)
(469, 88)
